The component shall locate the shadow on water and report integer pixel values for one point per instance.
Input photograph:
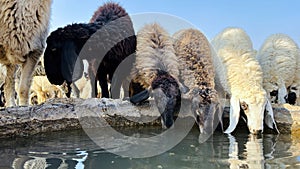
(73, 149)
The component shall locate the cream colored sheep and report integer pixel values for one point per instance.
(241, 77)
(43, 89)
(23, 30)
(279, 57)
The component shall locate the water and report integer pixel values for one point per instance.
(73, 149)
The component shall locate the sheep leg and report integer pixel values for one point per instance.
(294, 94)
(93, 81)
(116, 83)
(75, 90)
(9, 86)
(26, 76)
(104, 86)
(125, 86)
(2, 100)
(69, 88)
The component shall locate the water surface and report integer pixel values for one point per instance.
(74, 149)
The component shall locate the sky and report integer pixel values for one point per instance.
(259, 18)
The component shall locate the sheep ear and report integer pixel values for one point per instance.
(211, 123)
(71, 67)
(183, 89)
(52, 62)
(140, 97)
(269, 117)
(234, 114)
(137, 93)
(282, 92)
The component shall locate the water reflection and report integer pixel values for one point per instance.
(73, 149)
(251, 153)
(263, 152)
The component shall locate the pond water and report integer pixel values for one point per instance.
(74, 149)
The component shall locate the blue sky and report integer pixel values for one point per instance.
(259, 18)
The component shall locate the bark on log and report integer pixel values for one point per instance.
(64, 114)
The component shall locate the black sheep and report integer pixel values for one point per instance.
(104, 43)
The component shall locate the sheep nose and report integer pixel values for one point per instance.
(169, 123)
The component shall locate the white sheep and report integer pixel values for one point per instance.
(241, 78)
(23, 30)
(279, 57)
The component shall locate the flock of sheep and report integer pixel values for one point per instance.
(168, 68)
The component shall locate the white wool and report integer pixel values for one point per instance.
(240, 70)
(279, 57)
(240, 75)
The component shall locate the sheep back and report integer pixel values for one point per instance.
(154, 52)
(279, 57)
(194, 53)
(237, 61)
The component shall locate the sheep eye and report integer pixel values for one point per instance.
(47, 95)
(244, 106)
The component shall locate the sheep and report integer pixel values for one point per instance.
(241, 78)
(110, 37)
(279, 57)
(156, 71)
(197, 74)
(42, 89)
(122, 46)
(23, 30)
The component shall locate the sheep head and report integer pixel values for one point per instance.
(60, 58)
(257, 110)
(206, 109)
(255, 114)
(167, 97)
(137, 93)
